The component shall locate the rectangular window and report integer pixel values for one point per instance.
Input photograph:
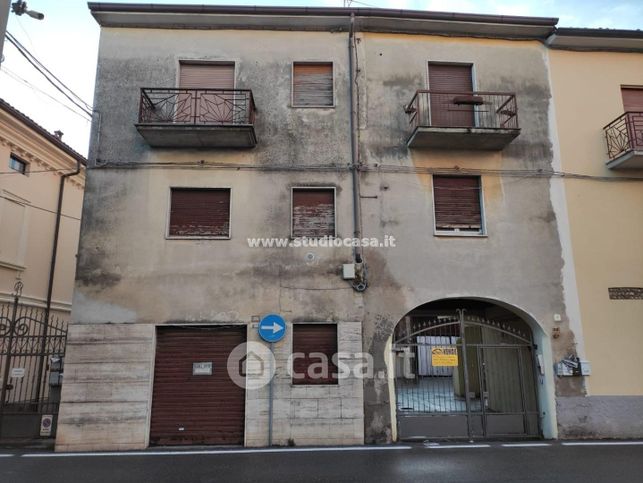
(632, 98)
(15, 227)
(314, 348)
(313, 212)
(457, 204)
(206, 75)
(312, 84)
(199, 213)
(446, 82)
(17, 164)
(199, 101)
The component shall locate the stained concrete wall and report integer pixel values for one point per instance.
(129, 273)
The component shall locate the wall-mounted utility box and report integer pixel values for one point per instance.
(348, 271)
(585, 368)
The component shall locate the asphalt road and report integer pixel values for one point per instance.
(554, 462)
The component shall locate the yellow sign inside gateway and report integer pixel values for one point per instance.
(444, 356)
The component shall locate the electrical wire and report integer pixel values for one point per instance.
(19, 46)
(42, 209)
(25, 82)
(47, 74)
(379, 168)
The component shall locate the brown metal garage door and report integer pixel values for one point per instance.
(196, 409)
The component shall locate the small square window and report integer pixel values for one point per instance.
(457, 204)
(314, 350)
(312, 84)
(18, 164)
(199, 213)
(313, 212)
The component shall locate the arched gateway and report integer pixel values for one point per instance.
(460, 373)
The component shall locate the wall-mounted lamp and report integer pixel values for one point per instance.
(20, 8)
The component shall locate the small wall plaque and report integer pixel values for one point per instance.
(202, 368)
(626, 293)
(17, 372)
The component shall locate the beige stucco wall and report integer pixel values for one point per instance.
(28, 217)
(605, 217)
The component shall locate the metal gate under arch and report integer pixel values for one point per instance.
(463, 376)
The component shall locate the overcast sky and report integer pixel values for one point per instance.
(66, 41)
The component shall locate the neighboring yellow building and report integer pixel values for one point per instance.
(32, 163)
(598, 101)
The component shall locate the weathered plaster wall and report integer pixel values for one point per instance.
(519, 261)
(130, 274)
(600, 417)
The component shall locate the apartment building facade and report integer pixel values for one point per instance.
(227, 124)
(603, 142)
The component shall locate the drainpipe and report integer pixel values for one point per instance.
(359, 284)
(52, 270)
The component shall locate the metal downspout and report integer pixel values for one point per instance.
(52, 271)
(360, 282)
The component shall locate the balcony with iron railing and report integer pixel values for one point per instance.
(462, 120)
(624, 137)
(197, 118)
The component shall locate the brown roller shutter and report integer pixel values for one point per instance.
(312, 84)
(200, 212)
(452, 79)
(309, 339)
(199, 107)
(206, 76)
(457, 203)
(313, 212)
(633, 104)
(196, 409)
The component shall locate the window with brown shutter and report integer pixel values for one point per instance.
(314, 346)
(446, 82)
(457, 204)
(312, 84)
(313, 212)
(200, 213)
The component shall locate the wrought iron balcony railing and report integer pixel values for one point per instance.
(624, 134)
(199, 107)
(483, 110)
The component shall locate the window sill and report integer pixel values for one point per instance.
(12, 266)
(292, 106)
(314, 385)
(317, 237)
(168, 237)
(460, 234)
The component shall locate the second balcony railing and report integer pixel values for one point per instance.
(623, 134)
(485, 110)
(176, 106)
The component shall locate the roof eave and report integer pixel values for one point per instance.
(319, 19)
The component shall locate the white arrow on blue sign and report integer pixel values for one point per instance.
(272, 328)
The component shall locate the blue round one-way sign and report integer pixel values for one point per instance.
(272, 328)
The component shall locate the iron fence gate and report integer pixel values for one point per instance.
(32, 347)
(460, 376)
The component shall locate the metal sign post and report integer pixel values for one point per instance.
(272, 328)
